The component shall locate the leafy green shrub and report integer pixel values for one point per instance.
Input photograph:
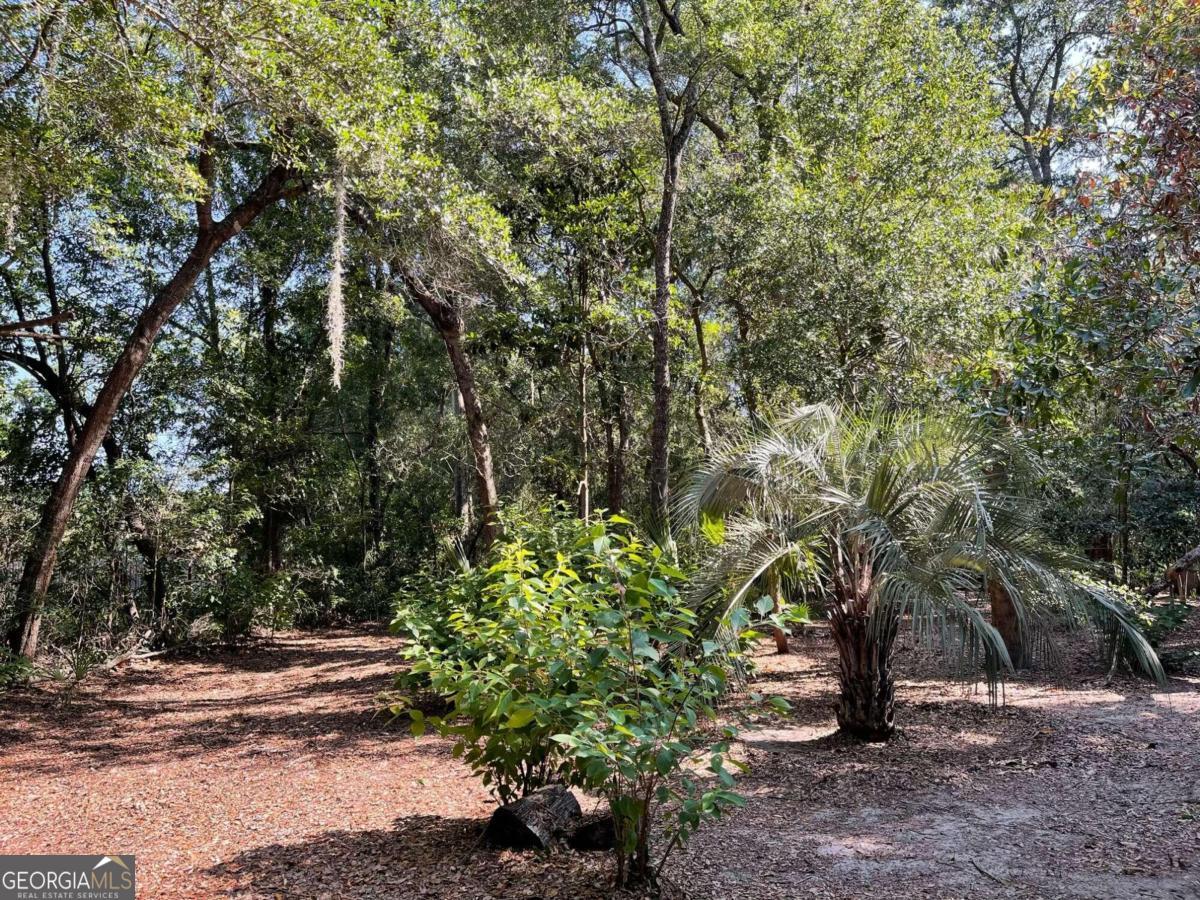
(572, 657)
(1166, 618)
(242, 600)
(639, 729)
(14, 670)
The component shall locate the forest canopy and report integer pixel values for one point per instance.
(300, 296)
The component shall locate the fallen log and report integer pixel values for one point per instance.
(1182, 564)
(532, 822)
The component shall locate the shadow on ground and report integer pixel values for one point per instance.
(423, 856)
(293, 695)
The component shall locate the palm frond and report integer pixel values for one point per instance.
(936, 506)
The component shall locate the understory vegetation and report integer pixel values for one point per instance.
(593, 343)
(574, 658)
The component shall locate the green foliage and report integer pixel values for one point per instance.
(248, 598)
(15, 670)
(69, 667)
(570, 655)
(1165, 619)
(900, 515)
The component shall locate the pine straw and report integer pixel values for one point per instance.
(266, 772)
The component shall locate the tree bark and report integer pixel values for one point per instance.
(272, 511)
(70, 425)
(867, 708)
(745, 376)
(616, 459)
(659, 469)
(449, 323)
(39, 564)
(775, 588)
(585, 487)
(702, 377)
(271, 560)
(676, 121)
(532, 822)
(614, 401)
(1123, 515)
(154, 564)
(477, 433)
(1006, 620)
(384, 336)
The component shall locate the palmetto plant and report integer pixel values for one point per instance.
(895, 519)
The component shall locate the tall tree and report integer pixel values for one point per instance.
(1037, 51)
(671, 49)
(204, 60)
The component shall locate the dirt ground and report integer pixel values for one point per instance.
(267, 773)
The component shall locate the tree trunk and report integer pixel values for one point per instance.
(659, 468)
(1006, 620)
(464, 509)
(39, 564)
(449, 323)
(614, 400)
(154, 564)
(701, 379)
(585, 487)
(775, 588)
(70, 425)
(1100, 548)
(271, 556)
(677, 113)
(745, 377)
(375, 403)
(272, 538)
(477, 433)
(532, 822)
(616, 460)
(866, 710)
(1123, 513)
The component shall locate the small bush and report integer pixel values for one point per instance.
(571, 657)
(15, 670)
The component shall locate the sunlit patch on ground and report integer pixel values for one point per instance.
(269, 772)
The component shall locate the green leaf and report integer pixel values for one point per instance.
(664, 761)
(661, 588)
(520, 718)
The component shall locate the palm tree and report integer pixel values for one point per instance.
(896, 518)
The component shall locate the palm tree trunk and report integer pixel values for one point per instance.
(1006, 621)
(866, 710)
(775, 589)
